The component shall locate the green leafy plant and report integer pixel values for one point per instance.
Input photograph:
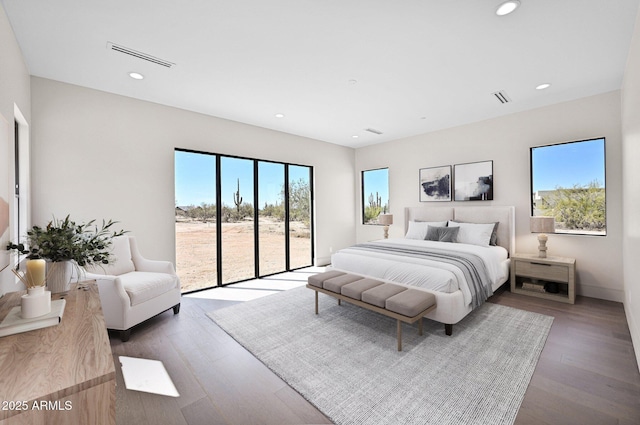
(63, 240)
(581, 207)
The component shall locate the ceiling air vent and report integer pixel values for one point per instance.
(373, 130)
(502, 96)
(139, 55)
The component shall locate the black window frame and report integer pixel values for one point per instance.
(256, 161)
(532, 200)
(364, 198)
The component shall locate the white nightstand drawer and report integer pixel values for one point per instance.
(542, 271)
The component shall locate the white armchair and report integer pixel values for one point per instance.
(134, 289)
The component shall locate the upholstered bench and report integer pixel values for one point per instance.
(395, 301)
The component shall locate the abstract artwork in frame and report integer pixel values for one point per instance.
(435, 184)
(4, 192)
(473, 181)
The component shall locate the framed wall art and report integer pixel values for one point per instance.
(435, 184)
(473, 181)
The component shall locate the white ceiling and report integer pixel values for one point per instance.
(419, 65)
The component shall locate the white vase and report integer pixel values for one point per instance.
(59, 275)
(37, 302)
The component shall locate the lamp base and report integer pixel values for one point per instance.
(386, 232)
(542, 245)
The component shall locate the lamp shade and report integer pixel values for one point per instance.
(539, 224)
(386, 219)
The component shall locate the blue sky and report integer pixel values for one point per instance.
(196, 176)
(568, 164)
(376, 181)
(563, 165)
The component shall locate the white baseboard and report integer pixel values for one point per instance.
(599, 292)
(322, 261)
(634, 329)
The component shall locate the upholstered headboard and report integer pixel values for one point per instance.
(491, 214)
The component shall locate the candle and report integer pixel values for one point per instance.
(36, 272)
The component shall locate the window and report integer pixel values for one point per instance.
(240, 218)
(375, 194)
(299, 186)
(568, 183)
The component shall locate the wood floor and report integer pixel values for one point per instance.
(587, 373)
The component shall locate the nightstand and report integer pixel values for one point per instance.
(551, 278)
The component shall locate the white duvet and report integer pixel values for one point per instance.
(423, 273)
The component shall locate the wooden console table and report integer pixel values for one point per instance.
(62, 374)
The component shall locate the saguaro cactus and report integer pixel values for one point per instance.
(237, 199)
(375, 202)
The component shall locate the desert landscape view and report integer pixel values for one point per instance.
(196, 250)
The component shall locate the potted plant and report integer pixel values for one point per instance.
(64, 244)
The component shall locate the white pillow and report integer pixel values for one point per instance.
(474, 233)
(418, 229)
(121, 261)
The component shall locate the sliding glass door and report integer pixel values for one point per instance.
(300, 216)
(271, 228)
(196, 230)
(238, 227)
(240, 218)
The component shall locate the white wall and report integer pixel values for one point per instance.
(14, 92)
(100, 155)
(631, 187)
(506, 141)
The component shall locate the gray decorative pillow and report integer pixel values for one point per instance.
(494, 235)
(418, 229)
(442, 234)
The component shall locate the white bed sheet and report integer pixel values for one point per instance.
(423, 273)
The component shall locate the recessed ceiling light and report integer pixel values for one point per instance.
(543, 86)
(136, 75)
(279, 115)
(352, 82)
(507, 7)
(355, 136)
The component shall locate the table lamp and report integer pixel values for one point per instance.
(386, 220)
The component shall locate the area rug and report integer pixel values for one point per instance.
(345, 360)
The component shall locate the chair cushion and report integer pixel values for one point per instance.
(143, 286)
(121, 261)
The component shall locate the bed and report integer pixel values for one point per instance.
(460, 275)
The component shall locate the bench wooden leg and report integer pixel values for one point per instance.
(399, 335)
(448, 328)
(339, 301)
(316, 302)
(420, 326)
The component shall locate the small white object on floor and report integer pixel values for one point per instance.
(148, 376)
